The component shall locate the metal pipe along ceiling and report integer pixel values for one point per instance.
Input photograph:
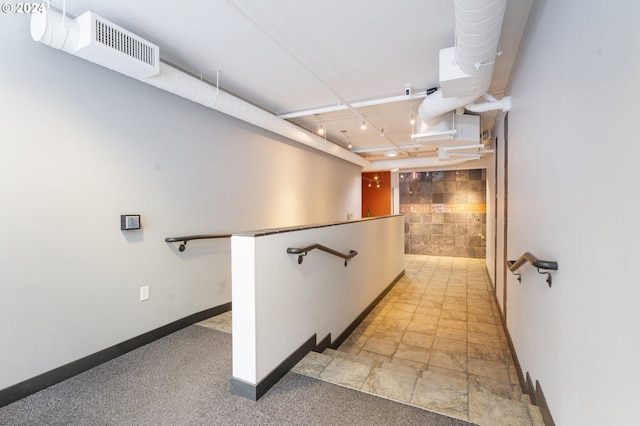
(53, 30)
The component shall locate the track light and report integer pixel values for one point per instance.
(364, 125)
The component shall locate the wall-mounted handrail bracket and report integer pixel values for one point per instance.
(519, 275)
(185, 240)
(302, 251)
(301, 257)
(548, 274)
(514, 265)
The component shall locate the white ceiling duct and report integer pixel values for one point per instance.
(466, 69)
(492, 104)
(78, 37)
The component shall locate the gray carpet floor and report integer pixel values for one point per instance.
(183, 379)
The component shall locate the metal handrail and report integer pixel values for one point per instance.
(514, 265)
(302, 251)
(184, 240)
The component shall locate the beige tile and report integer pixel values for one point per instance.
(410, 298)
(312, 364)
(490, 410)
(366, 360)
(386, 334)
(394, 324)
(452, 360)
(494, 387)
(535, 415)
(419, 366)
(379, 358)
(400, 368)
(483, 328)
(484, 339)
(426, 319)
(412, 353)
(451, 333)
(485, 352)
(462, 307)
(447, 372)
(404, 307)
(421, 327)
(480, 309)
(484, 319)
(390, 384)
(380, 346)
(446, 401)
(455, 300)
(400, 315)
(449, 345)
(493, 370)
(355, 341)
(450, 323)
(448, 381)
(418, 339)
(429, 303)
(427, 312)
(344, 372)
(453, 315)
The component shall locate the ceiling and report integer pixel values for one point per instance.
(301, 59)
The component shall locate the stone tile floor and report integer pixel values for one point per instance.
(435, 341)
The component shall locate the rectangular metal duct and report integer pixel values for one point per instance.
(111, 46)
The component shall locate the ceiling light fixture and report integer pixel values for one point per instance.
(320, 130)
(364, 125)
(391, 153)
(413, 118)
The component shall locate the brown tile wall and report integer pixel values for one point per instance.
(445, 213)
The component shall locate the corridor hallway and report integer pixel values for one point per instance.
(435, 341)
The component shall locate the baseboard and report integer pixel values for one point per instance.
(541, 402)
(526, 384)
(57, 375)
(254, 392)
(323, 344)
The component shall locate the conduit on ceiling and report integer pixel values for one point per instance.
(64, 33)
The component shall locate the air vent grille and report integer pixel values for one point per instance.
(124, 43)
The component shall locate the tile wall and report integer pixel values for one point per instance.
(445, 212)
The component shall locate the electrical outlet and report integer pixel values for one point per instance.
(144, 293)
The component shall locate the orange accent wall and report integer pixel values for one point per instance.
(376, 200)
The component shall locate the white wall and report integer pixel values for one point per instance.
(573, 177)
(80, 145)
(277, 309)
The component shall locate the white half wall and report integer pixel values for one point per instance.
(79, 146)
(279, 304)
(573, 195)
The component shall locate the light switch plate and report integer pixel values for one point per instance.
(144, 293)
(129, 222)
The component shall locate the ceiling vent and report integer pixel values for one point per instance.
(111, 46)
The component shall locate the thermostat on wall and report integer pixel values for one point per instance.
(129, 222)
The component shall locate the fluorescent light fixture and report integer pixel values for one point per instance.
(441, 135)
